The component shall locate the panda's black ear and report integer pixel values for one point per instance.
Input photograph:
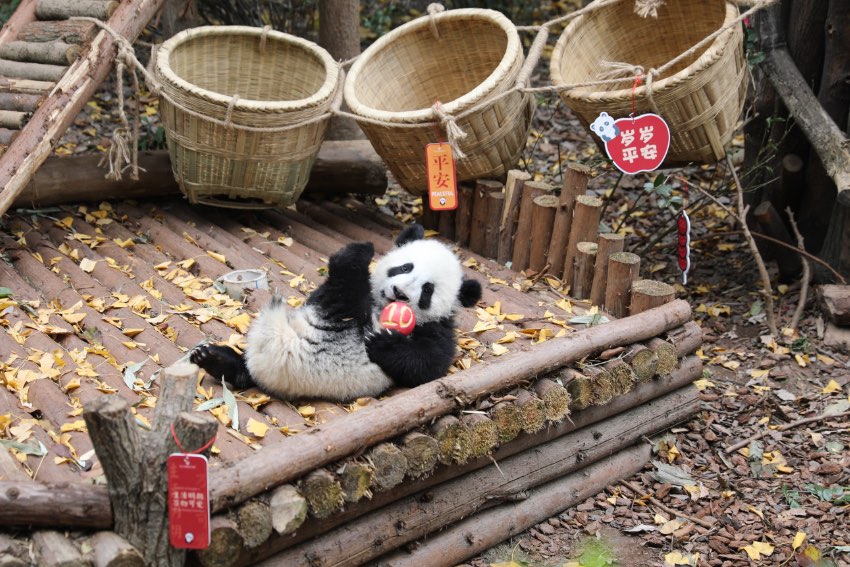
(409, 234)
(470, 292)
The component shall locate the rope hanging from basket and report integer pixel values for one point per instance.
(454, 133)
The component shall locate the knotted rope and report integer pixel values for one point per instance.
(454, 133)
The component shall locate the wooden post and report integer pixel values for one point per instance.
(522, 237)
(606, 245)
(583, 272)
(584, 228)
(495, 204)
(134, 461)
(647, 294)
(446, 224)
(576, 177)
(543, 212)
(463, 214)
(510, 213)
(623, 269)
(480, 213)
(429, 218)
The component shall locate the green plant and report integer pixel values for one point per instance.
(7, 9)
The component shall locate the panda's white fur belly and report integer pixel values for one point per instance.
(291, 355)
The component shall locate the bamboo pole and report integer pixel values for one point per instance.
(584, 228)
(606, 245)
(576, 177)
(623, 269)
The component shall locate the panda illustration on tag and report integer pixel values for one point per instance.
(634, 144)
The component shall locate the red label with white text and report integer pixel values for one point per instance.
(634, 144)
(442, 183)
(188, 501)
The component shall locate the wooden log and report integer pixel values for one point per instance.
(643, 361)
(141, 514)
(585, 260)
(254, 519)
(556, 399)
(481, 213)
(833, 94)
(25, 86)
(8, 136)
(25, 12)
(508, 420)
(393, 416)
(495, 204)
(687, 338)
(836, 337)
(836, 248)
(483, 432)
(54, 549)
(44, 129)
(601, 384)
(111, 550)
(646, 294)
(341, 166)
(70, 505)
(463, 214)
(543, 209)
(31, 71)
(532, 411)
(390, 465)
(510, 213)
(522, 237)
(834, 302)
(579, 387)
(791, 182)
(584, 228)
(356, 478)
(787, 259)
(69, 31)
(486, 529)
(446, 224)
(666, 354)
(454, 440)
(607, 244)
(323, 493)
(12, 120)
(226, 543)
(372, 535)
(622, 376)
(61, 10)
(646, 395)
(421, 452)
(576, 177)
(19, 102)
(623, 269)
(288, 509)
(51, 53)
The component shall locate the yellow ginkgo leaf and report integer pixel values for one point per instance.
(679, 558)
(831, 388)
(79, 425)
(668, 528)
(798, 540)
(498, 349)
(758, 548)
(756, 511)
(87, 265)
(256, 428)
(217, 256)
(307, 411)
(241, 322)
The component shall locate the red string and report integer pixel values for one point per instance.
(634, 88)
(180, 446)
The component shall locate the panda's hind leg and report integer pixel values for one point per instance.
(346, 293)
(223, 363)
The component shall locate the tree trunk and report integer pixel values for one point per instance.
(480, 213)
(69, 31)
(71, 505)
(31, 71)
(771, 224)
(495, 205)
(339, 33)
(463, 214)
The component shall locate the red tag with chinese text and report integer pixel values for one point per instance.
(442, 182)
(634, 144)
(188, 501)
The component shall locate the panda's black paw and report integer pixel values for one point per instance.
(384, 343)
(223, 363)
(352, 259)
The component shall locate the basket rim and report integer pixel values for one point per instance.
(455, 106)
(711, 54)
(326, 91)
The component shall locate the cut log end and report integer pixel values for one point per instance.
(508, 420)
(390, 465)
(454, 440)
(421, 452)
(580, 389)
(666, 354)
(356, 479)
(254, 519)
(556, 399)
(644, 362)
(485, 434)
(226, 544)
(622, 376)
(323, 493)
(532, 411)
(647, 294)
(288, 509)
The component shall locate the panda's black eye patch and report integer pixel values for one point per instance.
(403, 269)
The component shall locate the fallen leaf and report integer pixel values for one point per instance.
(758, 548)
(256, 428)
(798, 540)
(87, 265)
(831, 387)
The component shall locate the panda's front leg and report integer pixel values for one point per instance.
(223, 363)
(412, 360)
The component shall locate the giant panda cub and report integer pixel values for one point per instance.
(334, 348)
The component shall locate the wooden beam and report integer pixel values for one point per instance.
(31, 148)
(23, 14)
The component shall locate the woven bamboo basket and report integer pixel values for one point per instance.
(475, 56)
(700, 98)
(245, 111)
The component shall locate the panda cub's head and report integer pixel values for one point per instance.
(425, 274)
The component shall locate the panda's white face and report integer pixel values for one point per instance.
(424, 274)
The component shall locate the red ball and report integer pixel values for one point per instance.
(398, 316)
